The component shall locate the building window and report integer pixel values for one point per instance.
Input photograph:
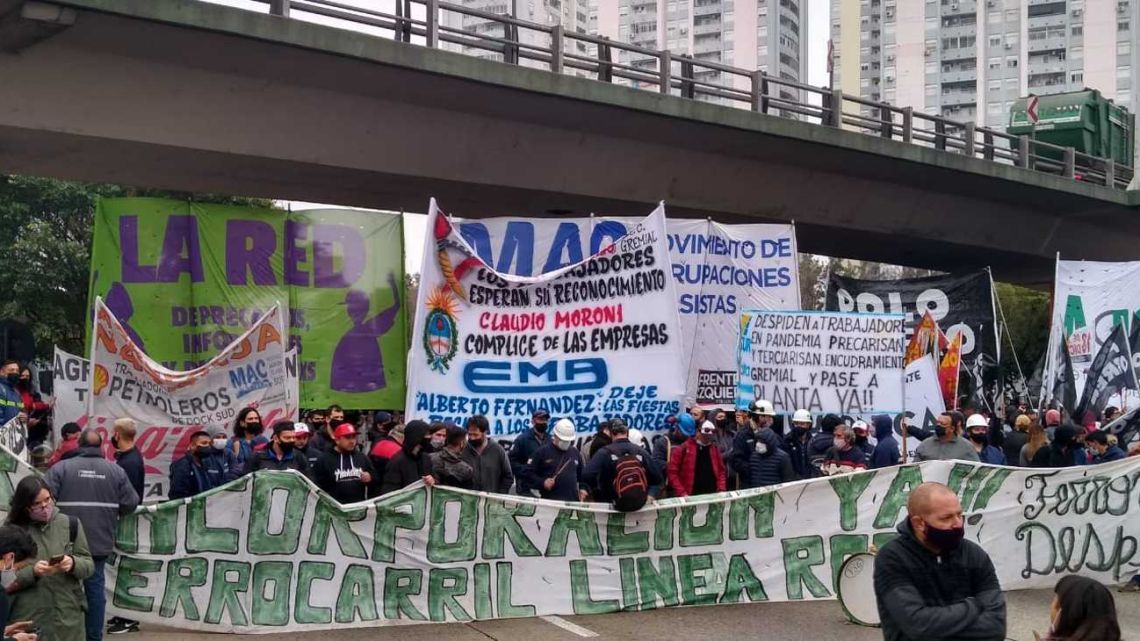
(994, 63)
(1011, 63)
(994, 85)
(1078, 77)
(1078, 29)
(1124, 48)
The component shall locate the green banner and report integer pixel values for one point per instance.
(187, 278)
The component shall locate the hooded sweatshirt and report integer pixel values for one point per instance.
(408, 466)
(340, 474)
(886, 451)
(922, 595)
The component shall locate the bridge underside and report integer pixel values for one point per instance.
(197, 97)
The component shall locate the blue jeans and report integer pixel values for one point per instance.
(96, 589)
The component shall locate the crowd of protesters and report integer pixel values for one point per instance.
(60, 528)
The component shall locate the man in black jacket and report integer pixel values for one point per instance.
(412, 463)
(599, 472)
(280, 453)
(526, 445)
(930, 583)
(201, 468)
(344, 473)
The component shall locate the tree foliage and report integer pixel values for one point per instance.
(44, 266)
(1026, 313)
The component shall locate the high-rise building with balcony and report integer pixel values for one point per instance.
(573, 15)
(769, 35)
(970, 59)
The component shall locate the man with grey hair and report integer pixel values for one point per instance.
(931, 583)
(844, 456)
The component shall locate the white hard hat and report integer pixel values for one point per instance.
(637, 438)
(801, 416)
(976, 420)
(564, 430)
(762, 407)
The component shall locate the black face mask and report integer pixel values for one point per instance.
(475, 442)
(12, 379)
(254, 428)
(979, 437)
(540, 428)
(860, 440)
(940, 431)
(285, 447)
(946, 540)
(203, 451)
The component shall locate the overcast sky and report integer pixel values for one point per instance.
(414, 224)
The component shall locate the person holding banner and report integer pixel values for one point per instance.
(412, 463)
(1064, 451)
(844, 456)
(697, 467)
(201, 469)
(555, 470)
(447, 466)
(526, 445)
(344, 473)
(280, 454)
(493, 471)
(1102, 450)
(613, 476)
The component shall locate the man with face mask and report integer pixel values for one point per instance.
(411, 463)
(202, 468)
(555, 470)
(488, 458)
(844, 456)
(11, 403)
(1102, 450)
(796, 445)
(947, 443)
(16, 548)
(526, 445)
(930, 583)
(281, 452)
(744, 443)
(681, 429)
(978, 429)
(697, 466)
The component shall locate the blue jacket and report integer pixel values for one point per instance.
(237, 462)
(564, 466)
(1113, 453)
(189, 479)
(991, 456)
(762, 470)
(522, 449)
(886, 453)
(11, 403)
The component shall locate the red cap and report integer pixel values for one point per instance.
(343, 430)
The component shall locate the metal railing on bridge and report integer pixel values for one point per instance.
(448, 26)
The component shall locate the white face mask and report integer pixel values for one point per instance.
(761, 448)
(562, 445)
(219, 443)
(839, 443)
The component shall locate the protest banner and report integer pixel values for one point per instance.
(186, 279)
(70, 387)
(718, 271)
(269, 553)
(959, 303)
(1090, 299)
(170, 405)
(592, 341)
(822, 362)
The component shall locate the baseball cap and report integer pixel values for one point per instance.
(382, 417)
(540, 414)
(1052, 417)
(343, 430)
(301, 428)
(860, 426)
(708, 428)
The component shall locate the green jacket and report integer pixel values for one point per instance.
(56, 602)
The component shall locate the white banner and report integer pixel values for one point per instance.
(924, 402)
(823, 362)
(170, 405)
(595, 340)
(1090, 298)
(719, 271)
(267, 553)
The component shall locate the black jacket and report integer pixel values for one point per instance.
(132, 463)
(522, 449)
(945, 597)
(188, 479)
(761, 470)
(800, 454)
(407, 467)
(599, 472)
(340, 475)
(564, 466)
(1014, 441)
(493, 472)
(266, 459)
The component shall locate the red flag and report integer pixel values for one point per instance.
(948, 372)
(925, 340)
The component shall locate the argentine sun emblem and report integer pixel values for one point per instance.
(441, 335)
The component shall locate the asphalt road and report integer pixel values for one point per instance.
(1027, 611)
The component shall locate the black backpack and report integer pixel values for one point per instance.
(631, 486)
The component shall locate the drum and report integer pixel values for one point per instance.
(856, 587)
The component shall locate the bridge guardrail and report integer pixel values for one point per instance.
(569, 52)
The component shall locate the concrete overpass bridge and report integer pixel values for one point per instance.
(188, 95)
